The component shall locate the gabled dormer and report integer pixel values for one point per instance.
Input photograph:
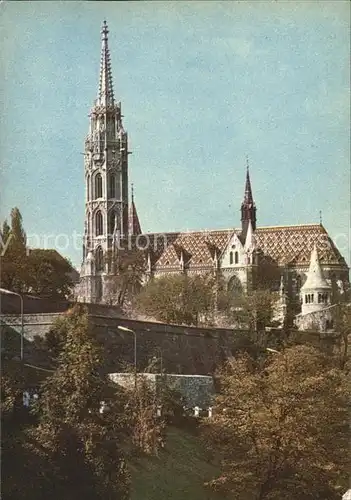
(233, 254)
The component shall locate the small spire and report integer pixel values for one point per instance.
(248, 191)
(320, 217)
(105, 94)
(249, 240)
(133, 219)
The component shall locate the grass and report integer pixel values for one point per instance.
(178, 473)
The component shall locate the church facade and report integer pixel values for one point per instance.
(246, 257)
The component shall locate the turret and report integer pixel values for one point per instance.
(315, 293)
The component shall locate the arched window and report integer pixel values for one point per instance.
(88, 188)
(118, 186)
(98, 223)
(111, 222)
(99, 259)
(98, 186)
(231, 258)
(112, 186)
(298, 283)
(236, 257)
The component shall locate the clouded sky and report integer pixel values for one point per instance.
(202, 85)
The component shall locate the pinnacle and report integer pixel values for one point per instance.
(105, 93)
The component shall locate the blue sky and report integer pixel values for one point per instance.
(202, 85)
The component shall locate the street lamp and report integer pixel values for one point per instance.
(9, 292)
(125, 329)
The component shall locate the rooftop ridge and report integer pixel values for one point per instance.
(204, 231)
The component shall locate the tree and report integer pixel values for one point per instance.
(281, 429)
(179, 299)
(48, 274)
(16, 444)
(343, 329)
(145, 427)
(14, 258)
(127, 266)
(252, 310)
(48, 349)
(41, 272)
(84, 445)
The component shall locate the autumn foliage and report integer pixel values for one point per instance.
(281, 427)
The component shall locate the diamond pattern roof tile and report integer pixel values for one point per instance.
(284, 244)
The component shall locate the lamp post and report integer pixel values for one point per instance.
(125, 329)
(9, 292)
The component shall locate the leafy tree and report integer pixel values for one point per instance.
(127, 266)
(14, 258)
(343, 329)
(268, 273)
(179, 299)
(21, 464)
(41, 272)
(48, 274)
(145, 427)
(48, 349)
(84, 445)
(281, 430)
(253, 310)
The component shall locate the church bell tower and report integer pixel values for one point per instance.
(106, 180)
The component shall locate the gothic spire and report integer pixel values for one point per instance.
(248, 191)
(105, 94)
(248, 207)
(134, 224)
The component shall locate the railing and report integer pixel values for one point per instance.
(30, 398)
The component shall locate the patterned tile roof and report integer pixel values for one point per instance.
(294, 244)
(283, 244)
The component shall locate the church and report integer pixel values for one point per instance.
(301, 262)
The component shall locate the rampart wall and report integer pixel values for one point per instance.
(180, 349)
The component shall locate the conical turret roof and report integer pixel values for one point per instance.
(315, 277)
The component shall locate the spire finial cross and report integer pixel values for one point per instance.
(320, 217)
(247, 163)
(132, 186)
